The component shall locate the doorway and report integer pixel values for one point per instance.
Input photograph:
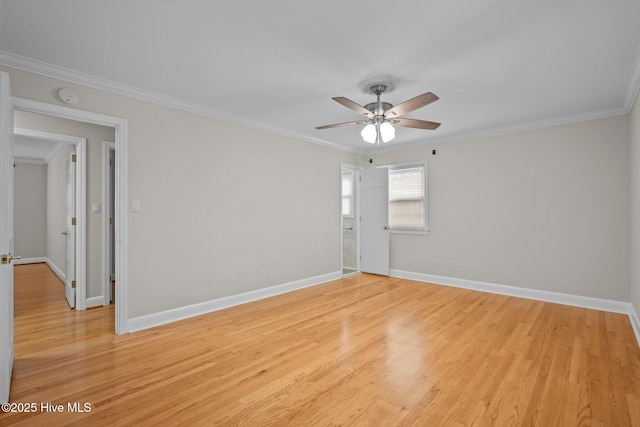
(62, 241)
(350, 218)
(120, 127)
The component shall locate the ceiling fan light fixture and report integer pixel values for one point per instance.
(369, 133)
(387, 132)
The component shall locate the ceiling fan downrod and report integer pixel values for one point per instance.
(378, 108)
(378, 90)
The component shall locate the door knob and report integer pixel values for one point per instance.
(385, 228)
(6, 259)
(64, 233)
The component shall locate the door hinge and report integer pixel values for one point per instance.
(73, 221)
(73, 158)
(73, 284)
(110, 162)
(110, 221)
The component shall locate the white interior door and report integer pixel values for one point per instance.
(70, 229)
(6, 237)
(112, 220)
(374, 224)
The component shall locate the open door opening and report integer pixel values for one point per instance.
(349, 218)
(64, 207)
(120, 126)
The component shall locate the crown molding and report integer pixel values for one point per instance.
(53, 71)
(504, 130)
(29, 161)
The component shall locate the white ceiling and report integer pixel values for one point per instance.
(497, 65)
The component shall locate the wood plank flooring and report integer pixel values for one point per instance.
(364, 351)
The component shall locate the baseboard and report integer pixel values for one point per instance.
(173, 315)
(56, 270)
(535, 294)
(37, 260)
(95, 302)
(635, 323)
(34, 260)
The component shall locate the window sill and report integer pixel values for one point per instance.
(416, 232)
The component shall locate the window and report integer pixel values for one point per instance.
(347, 193)
(408, 197)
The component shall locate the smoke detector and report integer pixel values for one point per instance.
(68, 96)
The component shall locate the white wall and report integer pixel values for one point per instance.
(545, 209)
(30, 217)
(220, 202)
(635, 205)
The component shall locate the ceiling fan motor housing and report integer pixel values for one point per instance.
(378, 108)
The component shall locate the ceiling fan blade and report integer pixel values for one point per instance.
(353, 106)
(415, 123)
(411, 104)
(335, 125)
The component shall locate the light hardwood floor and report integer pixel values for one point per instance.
(366, 350)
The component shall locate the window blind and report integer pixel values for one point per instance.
(407, 198)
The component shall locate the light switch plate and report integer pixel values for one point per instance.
(135, 206)
(95, 207)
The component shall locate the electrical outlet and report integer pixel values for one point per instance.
(269, 271)
(452, 264)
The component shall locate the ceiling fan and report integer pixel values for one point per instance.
(381, 116)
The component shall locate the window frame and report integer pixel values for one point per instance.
(351, 196)
(425, 201)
